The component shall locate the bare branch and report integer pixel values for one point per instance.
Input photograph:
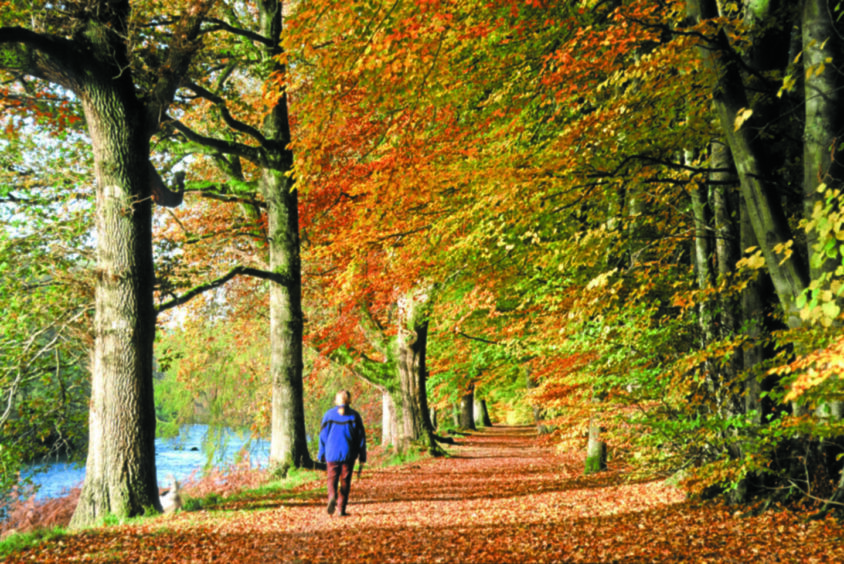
(227, 117)
(214, 145)
(213, 284)
(220, 25)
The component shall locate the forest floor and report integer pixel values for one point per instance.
(503, 495)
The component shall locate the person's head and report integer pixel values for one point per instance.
(342, 399)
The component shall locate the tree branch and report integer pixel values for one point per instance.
(220, 25)
(46, 57)
(224, 196)
(219, 146)
(479, 339)
(227, 117)
(172, 72)
(213, 284)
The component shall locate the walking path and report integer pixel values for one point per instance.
(502, 496)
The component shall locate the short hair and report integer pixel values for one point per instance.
(343, 397)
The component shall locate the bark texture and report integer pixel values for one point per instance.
(120, 475)
(412, 344)
(89, 52)
(288, 442)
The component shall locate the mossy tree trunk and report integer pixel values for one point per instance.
(412, 346)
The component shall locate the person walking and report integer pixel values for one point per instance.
(342, 440)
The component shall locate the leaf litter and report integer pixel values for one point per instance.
(502, 495)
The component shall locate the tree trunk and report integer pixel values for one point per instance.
(90, 55)
(288, 442)
(467, 409)
(704, 255)
(753, 308)
(538, 412)
(789, 274)
(412, 346)
(389, 420)
(596, 449)
(727, 218)
(822, 46)
(481, 414)
(822, 95)
(725, 254)
(120, 476)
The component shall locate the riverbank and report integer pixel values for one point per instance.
(503, 495)
(197, 447)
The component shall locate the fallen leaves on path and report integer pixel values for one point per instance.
(501, 497)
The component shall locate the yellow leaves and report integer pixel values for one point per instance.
(823, 308)
(601, 281)
(742, 116)
(683, 300)
(815, 70)
(755, 260)
(785, 250)
(788, 84)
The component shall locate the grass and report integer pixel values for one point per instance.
(412, 453)
(21, 541)
(295, 478)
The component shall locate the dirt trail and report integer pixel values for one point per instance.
(500, 497)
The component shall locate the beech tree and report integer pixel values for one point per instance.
(592, 205)
(235, 114)
(110, 56)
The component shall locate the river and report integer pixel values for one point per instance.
(178, 457)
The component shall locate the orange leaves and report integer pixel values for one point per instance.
(814, 369)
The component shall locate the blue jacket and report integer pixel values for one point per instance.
(342, 438)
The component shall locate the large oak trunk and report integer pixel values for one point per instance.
(120, 473)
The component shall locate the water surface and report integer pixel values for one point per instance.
(175, 458)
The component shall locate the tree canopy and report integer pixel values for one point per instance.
(619, 220)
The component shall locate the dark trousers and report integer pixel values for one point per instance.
(340, 473)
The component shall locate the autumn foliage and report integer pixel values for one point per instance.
(625, 217)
